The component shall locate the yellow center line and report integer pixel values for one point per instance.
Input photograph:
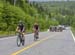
(30, 46)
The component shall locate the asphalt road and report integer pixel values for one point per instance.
(49, 43)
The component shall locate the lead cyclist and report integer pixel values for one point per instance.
(21, 28)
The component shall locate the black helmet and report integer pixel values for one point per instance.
(20, 22)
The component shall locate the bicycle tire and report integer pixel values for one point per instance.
(18, 41)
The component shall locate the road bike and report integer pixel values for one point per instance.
(36, 35)
(20, 39)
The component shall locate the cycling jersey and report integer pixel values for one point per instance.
(21, 27)
(36, 27)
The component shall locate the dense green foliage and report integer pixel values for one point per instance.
(46, 14)
(63, 12)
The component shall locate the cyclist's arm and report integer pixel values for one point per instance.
(17, 29)
(38, 29)
(33, 29)
(23, 29)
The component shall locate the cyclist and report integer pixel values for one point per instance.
(20, 28)
(36, 30)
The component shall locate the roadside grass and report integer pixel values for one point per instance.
(12, 33)
(73, 30)
(6, 33)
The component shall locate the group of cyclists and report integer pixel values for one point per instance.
(21, 29)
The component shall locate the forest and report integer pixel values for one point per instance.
(45, 13)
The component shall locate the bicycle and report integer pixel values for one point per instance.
(20, 39)
(36, 35)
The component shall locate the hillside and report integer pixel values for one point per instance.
(10, 15)
(45, 13)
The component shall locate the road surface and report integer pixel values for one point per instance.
(49, 43)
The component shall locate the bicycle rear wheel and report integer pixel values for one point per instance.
(23, 41)
(36, 37)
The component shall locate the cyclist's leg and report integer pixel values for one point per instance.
(23, 35)
(36, 34)
(23, 39)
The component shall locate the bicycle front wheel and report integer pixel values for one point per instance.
(18, 41)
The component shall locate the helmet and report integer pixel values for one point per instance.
(20, 22)
(35, 23)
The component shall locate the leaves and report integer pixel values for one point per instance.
(45, 13)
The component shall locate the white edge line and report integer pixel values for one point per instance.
(5, 38)
(73, 35)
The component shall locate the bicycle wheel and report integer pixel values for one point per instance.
(23, 41)
(36, 37)
(18, 41)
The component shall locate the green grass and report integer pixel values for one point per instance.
(11, 33)
(6, 33)
(73, 30)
